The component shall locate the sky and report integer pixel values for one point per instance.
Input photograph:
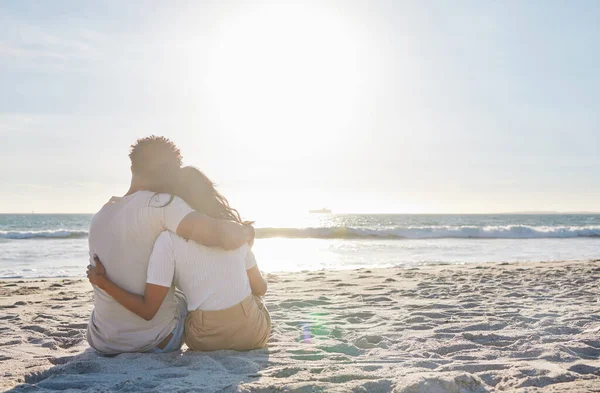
(361, 107)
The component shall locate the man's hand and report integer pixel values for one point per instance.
(97, 274)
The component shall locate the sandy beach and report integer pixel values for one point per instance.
(519, 327)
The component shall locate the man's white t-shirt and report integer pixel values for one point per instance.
(210, 278)
(122, 234)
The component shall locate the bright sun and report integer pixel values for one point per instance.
(285, 74)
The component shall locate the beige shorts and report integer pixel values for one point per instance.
(245, 326)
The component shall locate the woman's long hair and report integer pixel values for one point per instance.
(198, 191)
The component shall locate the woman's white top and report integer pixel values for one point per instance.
(211, 278)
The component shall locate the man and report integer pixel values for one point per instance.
(122, 235)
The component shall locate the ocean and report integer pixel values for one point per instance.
(55, 245)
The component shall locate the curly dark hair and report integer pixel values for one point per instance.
(154, 154)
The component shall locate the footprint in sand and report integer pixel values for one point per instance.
(135, 386)
(240, 365)
(306, 354)
(442, 383)
(66, 333)
(64, 298)
(585, 369)
(285, 372)
(592, 343)
(476, 368)
(78, 325)
(61, 360)
(321, 301)
(45, 316)
(66, 384)
(561, 330)
(371, 368)
(586, 352)
(450, 349)
(345, 284)
(357, 315)
(369, 342)
(380, 386)
(376, 288)
(431, 315)
(35, 328)
(27, 291)
(314, 357)
(345, 349)
(17, 341)
(376, 299)
(66, 343)
(346, 378)
(171, 375)
(82, 368)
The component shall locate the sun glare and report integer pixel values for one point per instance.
(285, 68)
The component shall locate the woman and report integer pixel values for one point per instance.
(222, 288)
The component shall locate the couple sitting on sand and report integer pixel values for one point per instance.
(173, 229)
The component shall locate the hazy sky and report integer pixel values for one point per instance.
(374, 106)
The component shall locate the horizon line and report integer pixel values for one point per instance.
(525, 212)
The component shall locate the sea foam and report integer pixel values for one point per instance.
(57, 234)
(408, 232)
(434, 232)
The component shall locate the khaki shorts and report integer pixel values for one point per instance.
(245, 326)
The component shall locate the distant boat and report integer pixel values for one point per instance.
(320, 211)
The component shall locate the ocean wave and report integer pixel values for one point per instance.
(57, 234)
(412, 232)
(433, 232)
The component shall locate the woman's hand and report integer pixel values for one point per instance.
(250, 232)
(97, 274)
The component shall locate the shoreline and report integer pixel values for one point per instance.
(479, 327)
(342, 268)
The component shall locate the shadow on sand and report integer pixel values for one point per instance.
(184, 371)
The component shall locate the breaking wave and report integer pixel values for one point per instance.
(413, 232)
(433, 232)
(58, 234)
